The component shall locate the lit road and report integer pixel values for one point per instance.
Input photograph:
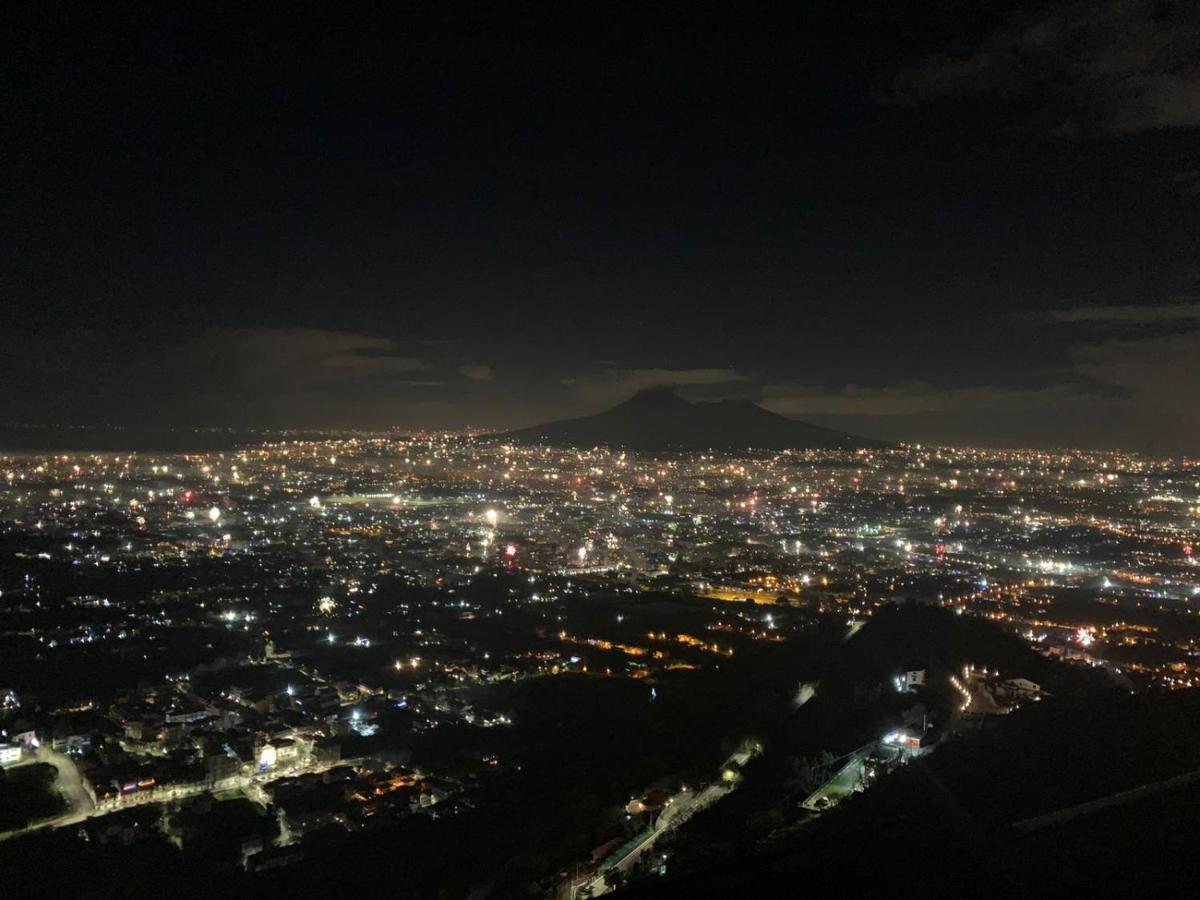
(844, 781)
(681, 807)
(69, 783)
(678, 810)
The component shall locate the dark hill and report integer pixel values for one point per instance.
(658, 419)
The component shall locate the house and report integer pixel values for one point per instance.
(71, 743)
(911, 679)
(1020, 688)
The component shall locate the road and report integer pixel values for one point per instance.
(678, 810)
(844, 781)
(681, 807)
(69, 783)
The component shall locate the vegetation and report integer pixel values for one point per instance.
(27, 793)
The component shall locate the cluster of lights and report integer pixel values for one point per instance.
(961, 688)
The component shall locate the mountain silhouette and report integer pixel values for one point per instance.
(659, 419)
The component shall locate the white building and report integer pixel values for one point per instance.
(910, 680)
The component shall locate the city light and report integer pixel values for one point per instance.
(413, 582)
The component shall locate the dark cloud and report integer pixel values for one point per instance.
(911, 398)
(1157, 374)
(1127, 377)
(1120, 67)
(477, 372)
(598, 389)
(292, 358)
(240, 376)
(1109, 387)
(1187, 182)
(1117, 315)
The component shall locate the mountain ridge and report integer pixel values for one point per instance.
(657, 418)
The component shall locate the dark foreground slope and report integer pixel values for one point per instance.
(1075, 796)
(658, 419)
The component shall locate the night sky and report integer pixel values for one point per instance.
(961, 222)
